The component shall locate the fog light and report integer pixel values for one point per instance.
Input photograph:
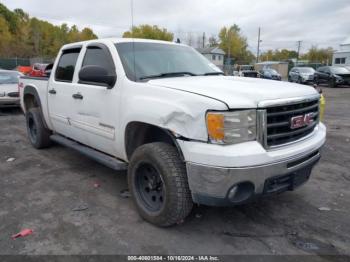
(241, 192)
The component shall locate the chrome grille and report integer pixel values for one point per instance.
(277, 126)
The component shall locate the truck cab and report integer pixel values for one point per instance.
(185, 133)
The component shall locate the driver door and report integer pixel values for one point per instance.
(98, 108)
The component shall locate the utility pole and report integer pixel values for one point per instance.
(258, 51)
(299, 46)
(203, 39)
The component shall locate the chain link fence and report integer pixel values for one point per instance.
(13, 63)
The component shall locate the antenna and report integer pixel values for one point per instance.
(132, 35)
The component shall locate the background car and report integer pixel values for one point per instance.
(301, 75)
(9, 96)
(268, 73)
(38, 70)
(247, 71)
(332, 75)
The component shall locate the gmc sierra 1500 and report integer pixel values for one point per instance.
(185, 132)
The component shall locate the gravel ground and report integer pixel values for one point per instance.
(41, 189)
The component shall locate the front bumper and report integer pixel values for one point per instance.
(9, 102)
(216, 186)
(213, 170)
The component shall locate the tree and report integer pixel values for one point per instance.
(213, 41)
(278, 55)
(319, 55)
(25, 36)
(149, 32)
(235, 44)
(87, 34)
(5, 36)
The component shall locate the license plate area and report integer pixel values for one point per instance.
(287, 182)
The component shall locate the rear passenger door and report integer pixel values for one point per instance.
(97, 112)
(61, 90)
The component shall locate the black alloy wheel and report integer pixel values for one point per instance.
(150, 187)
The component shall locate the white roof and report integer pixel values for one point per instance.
(122, 40)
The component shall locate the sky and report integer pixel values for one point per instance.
(283, 22)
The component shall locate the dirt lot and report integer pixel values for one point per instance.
(41, 189)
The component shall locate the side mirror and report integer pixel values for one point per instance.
(97, 75)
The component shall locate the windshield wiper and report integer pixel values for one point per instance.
(171, 74)
(213, 74)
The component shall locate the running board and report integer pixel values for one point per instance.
(102, 158)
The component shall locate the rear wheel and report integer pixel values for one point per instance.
(39, 136)
(158, 182)
(332, 83)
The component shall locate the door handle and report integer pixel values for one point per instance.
(77, 96)
(52, 91)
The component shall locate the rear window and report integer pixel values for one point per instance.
(66, 65)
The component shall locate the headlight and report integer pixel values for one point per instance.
(231, 127)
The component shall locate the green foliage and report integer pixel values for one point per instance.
(149, 32)
(314, 55)
(319, 55)
(23, 36)
(278, 55)
(235, 44)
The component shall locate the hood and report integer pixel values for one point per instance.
(236, 92)
(343, 75)
(8, 88)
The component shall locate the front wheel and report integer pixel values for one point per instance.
(332, 83)
(158, 182)
(38, 134)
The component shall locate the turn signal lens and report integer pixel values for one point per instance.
(215, 123)
(322, 107)
(232, 127)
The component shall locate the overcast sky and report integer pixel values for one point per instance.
(283, 22)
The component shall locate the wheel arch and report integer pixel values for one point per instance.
(31, 99)
(139, 133)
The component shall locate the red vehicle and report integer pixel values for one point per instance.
(38, 70)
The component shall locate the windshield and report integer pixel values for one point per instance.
(150, 60)
(9, 78)
(247, 68)
(271, 71)
(306, 70)
(339, 70)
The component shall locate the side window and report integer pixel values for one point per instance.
(97, 56)
(66, 65)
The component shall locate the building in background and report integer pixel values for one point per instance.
(342, 56)
(214, 55)
(280, 67)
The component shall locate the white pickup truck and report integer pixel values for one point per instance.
(185, 132)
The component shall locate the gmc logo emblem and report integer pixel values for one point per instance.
(301, 121)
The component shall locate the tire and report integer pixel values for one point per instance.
(332, 83)
(299, 81)
(316, 81)
(39, 136)
(164, 201)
